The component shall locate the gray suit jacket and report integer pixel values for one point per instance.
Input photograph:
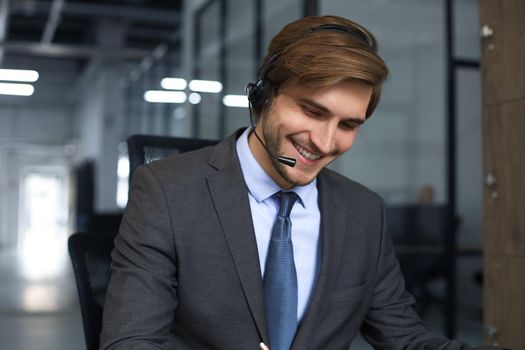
(186, 274)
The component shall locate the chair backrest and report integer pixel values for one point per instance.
(143, 149)
(419, 233)
(90, 254)
(418, 225)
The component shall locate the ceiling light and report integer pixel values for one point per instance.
(16, 89)
(173, 83)
(206, 86)
(23, 75)
(235, 101)
(160, 96)
(194, 98)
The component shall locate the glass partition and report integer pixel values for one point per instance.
(277, 14)
(207, 63)
(466, 28)
(401, 149)
(240, 59)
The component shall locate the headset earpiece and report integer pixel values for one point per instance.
(259, 92)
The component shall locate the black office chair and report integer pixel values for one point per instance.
(144, 149)
(90, 252)
(419, 233)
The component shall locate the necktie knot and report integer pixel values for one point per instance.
(286, 202)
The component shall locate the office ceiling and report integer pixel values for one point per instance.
(66, 41)
(67, 28)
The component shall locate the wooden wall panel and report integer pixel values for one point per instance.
(504, 137)
(507, 297)
(500, 51)
(503, 78)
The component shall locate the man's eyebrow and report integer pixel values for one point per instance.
(324, 109)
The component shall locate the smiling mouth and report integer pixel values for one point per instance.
(305, 153)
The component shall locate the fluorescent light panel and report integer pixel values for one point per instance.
(173, 83)
(160, 96)
(14, 89)
(22, 75)
(206, 86)
(235, 101)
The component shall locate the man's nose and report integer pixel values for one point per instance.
(324, 137)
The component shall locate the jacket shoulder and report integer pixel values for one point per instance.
(347, 187)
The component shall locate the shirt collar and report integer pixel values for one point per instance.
(260, 184)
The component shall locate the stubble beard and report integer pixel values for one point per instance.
(272, 143)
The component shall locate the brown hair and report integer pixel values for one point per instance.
(324, 57)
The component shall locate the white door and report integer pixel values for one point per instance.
(43, 217)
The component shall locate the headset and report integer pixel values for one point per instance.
(259, 93)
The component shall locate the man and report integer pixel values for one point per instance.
(199, 262)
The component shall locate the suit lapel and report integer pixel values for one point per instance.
(229, 195)
(333, 227)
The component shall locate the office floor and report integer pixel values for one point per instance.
(39, 310)
(38, 313)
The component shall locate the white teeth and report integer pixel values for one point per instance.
(305, 153)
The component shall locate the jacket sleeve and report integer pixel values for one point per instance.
(392, 322)
(141, 296)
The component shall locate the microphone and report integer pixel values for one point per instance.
(284, 160)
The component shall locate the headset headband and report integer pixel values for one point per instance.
(260, 91)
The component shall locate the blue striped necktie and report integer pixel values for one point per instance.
(280, 278)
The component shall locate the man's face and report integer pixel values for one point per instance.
(312, 126)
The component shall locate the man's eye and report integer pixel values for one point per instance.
(311, 112)
(348, 126)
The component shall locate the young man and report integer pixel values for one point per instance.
(214, 251)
